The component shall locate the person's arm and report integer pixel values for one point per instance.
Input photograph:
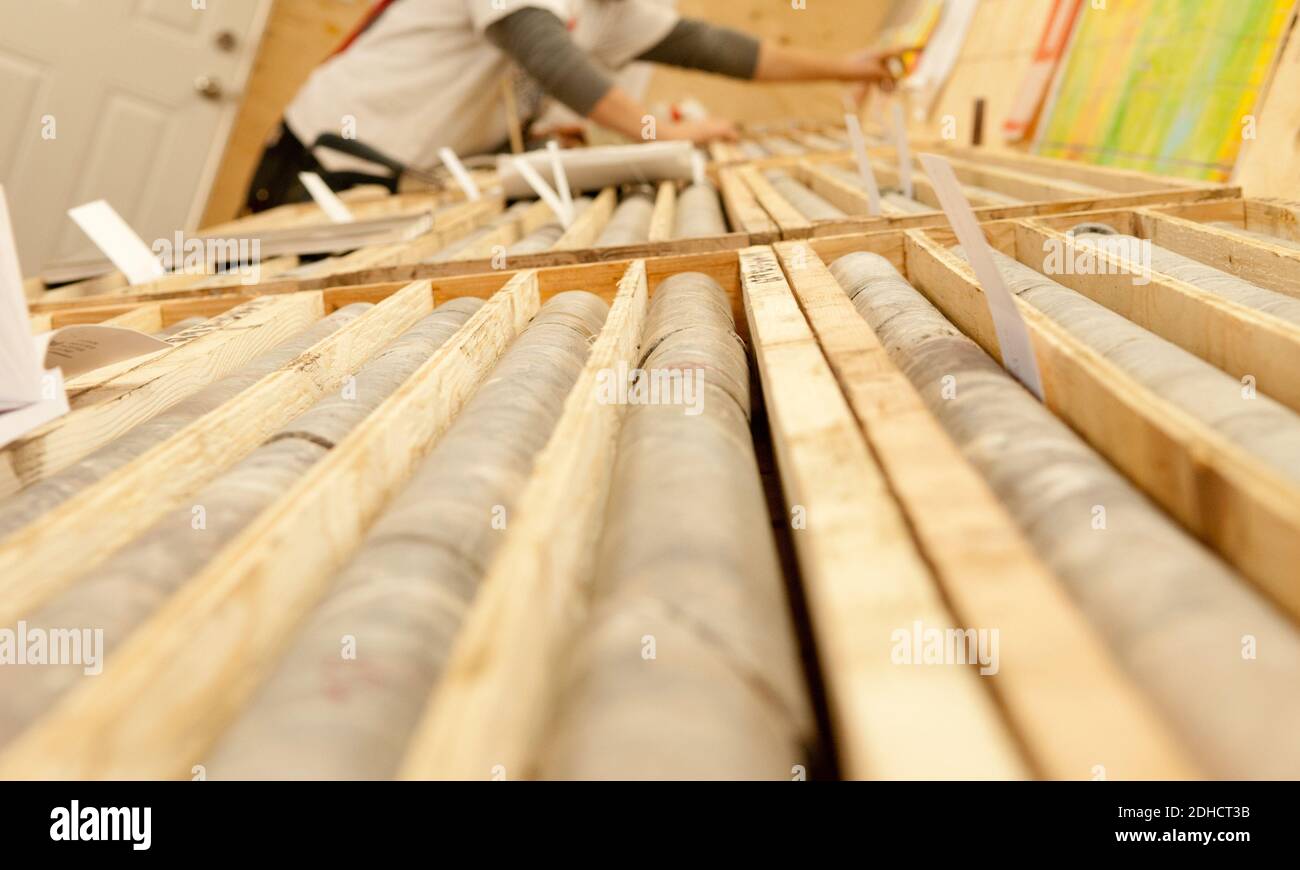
(538, 41)
(695, 44)
(776, 63)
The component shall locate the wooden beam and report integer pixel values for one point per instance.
(790, 220)
(726, 152)
(101, 414)
(449, 225)
(889, 721)
(847, 198)
(1235, 338)
(1221, 493)
(1276, 267)
(1021, 184)
(1277, 217)
(587, 226)
(495, 695)
(661, 221)
(1106, 177)
(145, 318)
(177, 682)
(743, 211)
(1068, 699)
(37, 561)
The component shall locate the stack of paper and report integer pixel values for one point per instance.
(29, 393)
(33, 368)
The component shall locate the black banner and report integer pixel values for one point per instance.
(336, 819)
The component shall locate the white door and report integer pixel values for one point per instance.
(125, 100)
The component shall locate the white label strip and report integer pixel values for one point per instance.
(115, 238)
(859, 143)
(561, 181)
(698, 172)
(327, 199)
(1013, 335)
(542, 189)
(904, 154)
(458, 172)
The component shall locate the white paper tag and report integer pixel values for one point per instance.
(115, 238)
(88, 346)
(859, 144)
(30, 396)
(1013, 335)
(561, 180)
(699, 170)
(904, 154)
(458, 172)
(327, 199)
(543, 190)
(20, 365)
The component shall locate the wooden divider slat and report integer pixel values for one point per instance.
(1222, 494)
(1276, 267)
(178, 680)
(661, 221)
(145, 318)
(37, 561)
(791, 221)
(495, 695)
(864, 578)
(587, 226)
(1108, 177)
(743, 211)
(1235, 338)
(1063, 691)
(1028, 186)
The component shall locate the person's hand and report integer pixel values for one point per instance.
(879, 68)
(568, 135)
(701, 132)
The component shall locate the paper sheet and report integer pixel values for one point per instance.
(859, 144)
(1013, 336)
(30, 396)
(88, 346)
(115, 238)
(543, 190)
(457, 170)
(20, 364)
(904, 154)
(327, 199)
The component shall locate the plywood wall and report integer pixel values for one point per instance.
(1269, 164)
(997, 54)
(828, 26)
(299, 35)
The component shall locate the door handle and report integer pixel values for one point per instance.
(208, 88)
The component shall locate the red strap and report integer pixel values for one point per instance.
(375, 12)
